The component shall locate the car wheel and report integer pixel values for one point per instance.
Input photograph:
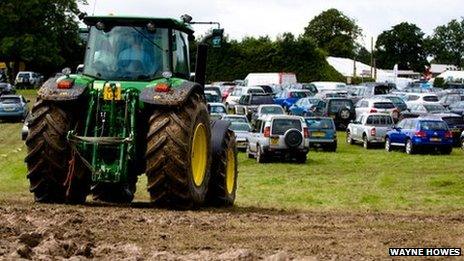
(260, 158)
(301, 158)
(366, 143)
(447, 150)
(348, 138)
(248, 152)
(387, 145)
(410, 147)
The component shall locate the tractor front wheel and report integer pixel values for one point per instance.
(178, 154)
(54, 173)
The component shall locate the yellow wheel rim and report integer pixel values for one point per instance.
(230, 174)
(199, 154)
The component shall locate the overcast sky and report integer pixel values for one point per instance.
(273, 17)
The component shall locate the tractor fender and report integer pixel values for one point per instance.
(49, 90)
(174, 97)
(219, 129)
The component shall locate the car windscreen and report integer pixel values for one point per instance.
(23, 75)
(433, 125)
(378, 120)
(239, 126)
(453, 121)
(280, 126)
(261, 100)
(336, 105)
(255, 91)
(272, 110)
(217, 109)
(434, 108)
(320, 123)
(235, 119)
(382, 89)
(299, 94)
(383, 105)
(211, 97)
(430, 98)
(10, 100)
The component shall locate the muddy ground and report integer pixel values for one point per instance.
(42, 232)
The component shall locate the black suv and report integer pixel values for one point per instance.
(341, 110)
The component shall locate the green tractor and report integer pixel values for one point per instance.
(133, 110)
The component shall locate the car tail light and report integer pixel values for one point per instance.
(65, 84)
(373, 111)
(162, 87)
(306, 132)
(448, 135)
(420, 134)
(373, 131)
(267, 132)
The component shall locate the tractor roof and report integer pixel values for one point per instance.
(140, 21)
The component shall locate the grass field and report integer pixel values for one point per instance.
(350, 179)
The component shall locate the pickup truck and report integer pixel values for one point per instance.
(249, 103)
(369, 128)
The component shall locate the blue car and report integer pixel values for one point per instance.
(13, 107)
(304, 106)
(322, 133)
(288, 97)
(416, 134)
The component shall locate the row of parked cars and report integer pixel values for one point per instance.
(289, 122)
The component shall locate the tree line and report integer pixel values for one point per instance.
(44, 35)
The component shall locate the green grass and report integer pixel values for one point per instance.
(350, 179)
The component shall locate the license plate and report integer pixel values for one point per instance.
(457, 130)
(435, 139)
(274, 141)
(109, 95)
(318, 134)
(8, 109)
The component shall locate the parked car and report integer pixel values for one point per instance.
(326, 94)
(13, 107)
(396, 100)
(422, 109)
(26, 79)
(212, 96)
(417, 134)
(6, 88)
(238, 92)
(415, 98)
(226, 90)
(340, 109)
(267, 109)
(369, 128)
(288, 97)
(249, 103)
(215, 89)
(324, 86)
(371, 89)
(322, 133)
(457, 108)
(451, 98)
(217, 110)
(455, 124)
(280, 136)
(377, 105)
(305, 106)
(242, 131)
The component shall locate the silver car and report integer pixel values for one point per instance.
(242, 132)
(279, 136)
(369, 128)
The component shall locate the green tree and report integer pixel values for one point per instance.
(446, 45)
(41, 33)
(402, 45)
(334, 32)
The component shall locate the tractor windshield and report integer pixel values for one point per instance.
(127, 53)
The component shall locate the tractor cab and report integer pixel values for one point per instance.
(136, 49)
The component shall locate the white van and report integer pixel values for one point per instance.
(254, 79)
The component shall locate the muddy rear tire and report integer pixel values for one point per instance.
(175, 178)
(223, 182)
(49, 155)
